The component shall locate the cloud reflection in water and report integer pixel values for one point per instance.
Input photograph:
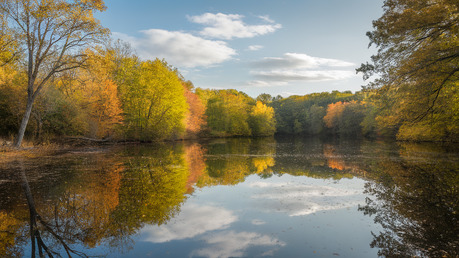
(192, 221)
(298, 199)
(208, 224)
(233, 244)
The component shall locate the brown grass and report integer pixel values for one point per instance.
(10, 153)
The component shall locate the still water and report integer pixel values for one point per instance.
(269, 197)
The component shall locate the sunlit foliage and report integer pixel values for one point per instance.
(195, 120)
(52, 35)
(153, 100)
(227, 112)
(261, 120)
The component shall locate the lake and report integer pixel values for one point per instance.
(265, 197)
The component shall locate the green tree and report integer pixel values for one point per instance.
(51, 34)
(316, 122)
(293, 114)
(227, 112)
(265, 98)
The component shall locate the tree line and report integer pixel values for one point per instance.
(61, 74)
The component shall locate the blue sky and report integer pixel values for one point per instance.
(280, 47)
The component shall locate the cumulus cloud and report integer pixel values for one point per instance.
(179, 48)
(298, 200)
(232, 244)
(229, 26)
(299, 67)
(189, 50)
(192, 221)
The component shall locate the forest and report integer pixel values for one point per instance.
(62, 75)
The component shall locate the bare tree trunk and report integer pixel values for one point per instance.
(31, 204)
(25, 121)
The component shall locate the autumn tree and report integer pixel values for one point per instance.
(8, 44)
(153, 100)
(344, 118)
(417, 65)
(99, 94)
(334, 112)
(51, 34)
(11, 99)
(261, 120)
(195, 119)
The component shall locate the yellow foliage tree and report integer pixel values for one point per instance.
(261, 120)
(51, 33)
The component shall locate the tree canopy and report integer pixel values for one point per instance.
(418, 65)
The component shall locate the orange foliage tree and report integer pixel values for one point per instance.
(96, 94)
(345, 118)
(105, 109)
(195, 119)
(334, 111)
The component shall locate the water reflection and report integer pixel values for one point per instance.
(235, 244)
(233, 197)
(39, 228)
(192, 221)
(415, 201)
(303, 199)
(61, 213)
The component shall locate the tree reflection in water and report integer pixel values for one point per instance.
(415, 201)
(88, 199)
(103, 199)
(39, 227)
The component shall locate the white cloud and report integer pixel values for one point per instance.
(299, 67)
(232, 244)
(192, 221)
(298, 75)
(266, 18)
(261, 83)
(297, 199)
(179, 48)
(300, 61)
(229, 26)
(255, 47)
